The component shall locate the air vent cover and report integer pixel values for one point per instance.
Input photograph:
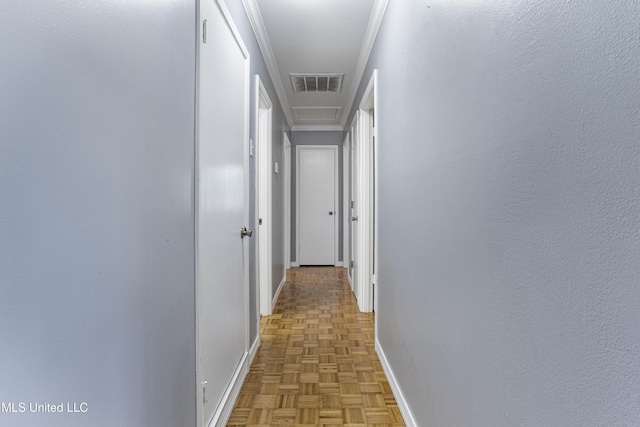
(317, 83)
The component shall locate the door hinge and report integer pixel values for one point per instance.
(259, 221)
(352, 204)
(204, 31)
(204, 392)
(351, 264)
(373, 279)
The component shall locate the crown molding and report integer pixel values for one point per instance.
(375, 20)
(315, 128)
(255, 18)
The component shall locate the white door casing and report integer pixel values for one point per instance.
(365, 141)
(222, 287)
(264, 114)
(317, 197)
(345, 204)
(287, 202)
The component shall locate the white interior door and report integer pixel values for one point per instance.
(317, 197)
(222, 253)
(264, 114)
(355, 180)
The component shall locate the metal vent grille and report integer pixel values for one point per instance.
(317, 83)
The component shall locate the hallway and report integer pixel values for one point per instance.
(317, 363)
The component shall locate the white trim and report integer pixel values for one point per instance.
(275, 297)
(228, 400)
(375, 20)
(336, 209)
(317, 127)
(255, 18)
(255, 347)
(287, 202)
(403, 405)
(365, 218)
(339, 264)
(349, 279)
(335, 201)
(346, 230)
(223, 413)
(294, 264)
(263, 125)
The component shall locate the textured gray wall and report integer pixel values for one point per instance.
(315, 138)
(279, 127)
(96, 211)
(509, 143)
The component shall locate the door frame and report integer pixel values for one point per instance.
(287, 203)
(264, 125)
(334, 148)
(368, 196)
(225, 406)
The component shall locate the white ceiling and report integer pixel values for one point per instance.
(315, 36)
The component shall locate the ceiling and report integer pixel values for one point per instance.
(315, 37)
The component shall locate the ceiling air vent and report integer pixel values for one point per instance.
(317, 83)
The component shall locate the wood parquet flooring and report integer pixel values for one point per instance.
(317, 363)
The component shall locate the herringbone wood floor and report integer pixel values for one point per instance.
(317, 364)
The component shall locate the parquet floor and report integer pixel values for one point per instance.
(317, 364)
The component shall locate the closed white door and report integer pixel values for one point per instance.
(317, 196)
(355, 225)
(221, 207)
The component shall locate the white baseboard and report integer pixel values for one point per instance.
(340, 264)
(275, 297)
(395, 388)
(254, 349)
(221, 416)
(294, 264)
(349, 279)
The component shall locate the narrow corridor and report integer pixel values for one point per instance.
(317, 364)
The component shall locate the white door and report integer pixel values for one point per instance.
(317, 197)
(355, 180)
(221, 207)
(265, 225)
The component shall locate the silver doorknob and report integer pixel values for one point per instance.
(245, 232)
(354, 218)
(330, 212)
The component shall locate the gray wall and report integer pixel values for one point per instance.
(279, 126)
(509, 139)
(315, 138)
(96, 211)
